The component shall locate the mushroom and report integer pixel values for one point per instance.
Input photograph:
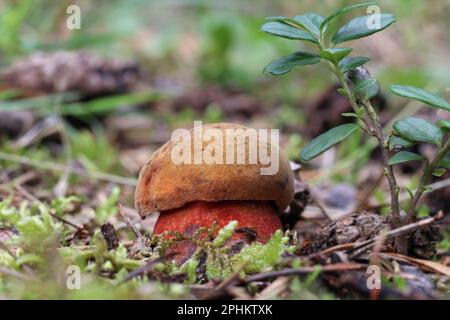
(193, 195)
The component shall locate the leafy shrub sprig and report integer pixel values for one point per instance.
(359, 86)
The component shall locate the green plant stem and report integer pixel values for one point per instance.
(401, 242)
(350, 96)
(425, 179)
(389, 171)
(373, 126)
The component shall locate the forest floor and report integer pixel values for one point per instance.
(68, 172)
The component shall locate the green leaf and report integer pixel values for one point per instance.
(417, 129)
(311, 22)
(404, 156)
(445, 162)
(287, 21)
(335, 54)
(367, 88)
(360, 27)
(349, 63)
(108, 103)
(284, 30)
(41, 102)
(350, 115)
(444, 124)
(9, 94)
(421, 95)
(343, 11)
(399, 142)
(359, 113)
(95, 106)
(364, 84)
(438, 172)
(326, 140)
(285, 64)
(342, 92)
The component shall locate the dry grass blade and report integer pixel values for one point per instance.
(57, 167)
(274, 289)
(426, 265)
(128, 222)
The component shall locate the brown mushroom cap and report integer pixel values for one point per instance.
(164, 185)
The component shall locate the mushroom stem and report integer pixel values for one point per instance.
(256, 219)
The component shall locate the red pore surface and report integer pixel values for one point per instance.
(258, 217)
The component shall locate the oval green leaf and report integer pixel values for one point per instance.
(343, 11)
(360, 27)
(399, 142)
(349, 115)
(284, 30)
(285, 64)
(326, 140)
(350, 63)
(445, 162)
(311, 22)
(417, 129)
(444, 124)
(421, 95)
(367, 88)
(404, 156)
(287, 21)
(364, 84)
(342, 92)
(438, 172)
(335, 54)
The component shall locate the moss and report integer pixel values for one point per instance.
(225, 234)
(42, 245)
(220, 262)
(258, 257)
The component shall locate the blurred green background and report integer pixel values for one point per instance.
(211, 41)
(185, 48)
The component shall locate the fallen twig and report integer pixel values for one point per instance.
(128, 222)
(363, 246)
(319, 204)
(274, 289)
(145, 268)
(353, 246)
(304, 270)
(421, 263)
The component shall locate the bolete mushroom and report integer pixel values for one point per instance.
(189, 195)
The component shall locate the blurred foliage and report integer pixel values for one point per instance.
(220, 42)
(211, 42)
(184, 44)
(94, 152)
